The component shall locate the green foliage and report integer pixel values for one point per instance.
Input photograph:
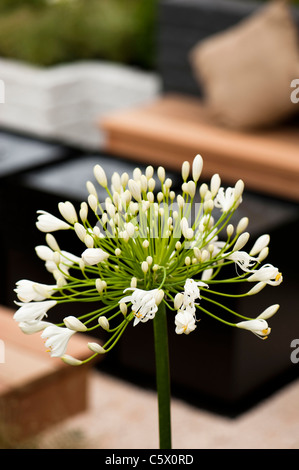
(76, 30)
(14, 4)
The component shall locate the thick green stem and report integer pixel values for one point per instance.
(162, 376)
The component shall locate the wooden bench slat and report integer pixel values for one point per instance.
(175, 128)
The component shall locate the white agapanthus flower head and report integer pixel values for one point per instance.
(145, 249)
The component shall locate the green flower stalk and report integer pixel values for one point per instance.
(147, 253)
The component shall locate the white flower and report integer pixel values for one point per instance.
(92, 256)
(258, 326)
(49, 223)
(31, 327)
(225, 199)
(57, 339)
(33, 311)
(185, 322)
(268, 274)
(144, 306)
(28, 290)
(243, 260)
(191, 293)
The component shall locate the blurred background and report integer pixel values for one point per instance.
(74, 71)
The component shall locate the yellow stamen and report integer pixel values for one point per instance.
(278, 276)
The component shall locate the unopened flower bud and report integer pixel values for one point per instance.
(257, 288)
(149, 260)
(180, 201)
(68, 212)
(92, 202)
(123, 308)
(124, 179)
(52, 243)
(207, 274)
(215, 184)
(100, 175)
(89, 241)
(208, 205)
(104, 323)
(204, 255)
(229, 230)
(149, 171)
(191, 188)
(60, 281)
(242, 240)
(91, 188)
(263, 254)
(73, 323)
(83, 212)
(260, 243)
(100, 285)
(159, 296)
(80, 231)
(203, 190)
(56, 258)
(70, 360)
(269, 312)
(161, 173)
(130, 229)
(242, 225)
(151, 184)
(97, 348)
(144, 266)
(178, 300)
(134, 189)
(197, 167)
(185, 170)
(239, 188)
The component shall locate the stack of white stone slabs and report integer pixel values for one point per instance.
(65, 102)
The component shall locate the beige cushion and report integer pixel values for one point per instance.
(246, 71)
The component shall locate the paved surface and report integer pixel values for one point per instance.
(123, 416)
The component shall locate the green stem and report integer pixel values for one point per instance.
(162, 376)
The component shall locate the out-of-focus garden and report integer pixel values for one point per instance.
(45, 33)
(147, 83)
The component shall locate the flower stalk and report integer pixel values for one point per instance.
(162, 376)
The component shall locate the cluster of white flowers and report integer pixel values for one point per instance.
(166, 249)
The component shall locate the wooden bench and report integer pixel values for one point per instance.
(37, 391)
(175, 128)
